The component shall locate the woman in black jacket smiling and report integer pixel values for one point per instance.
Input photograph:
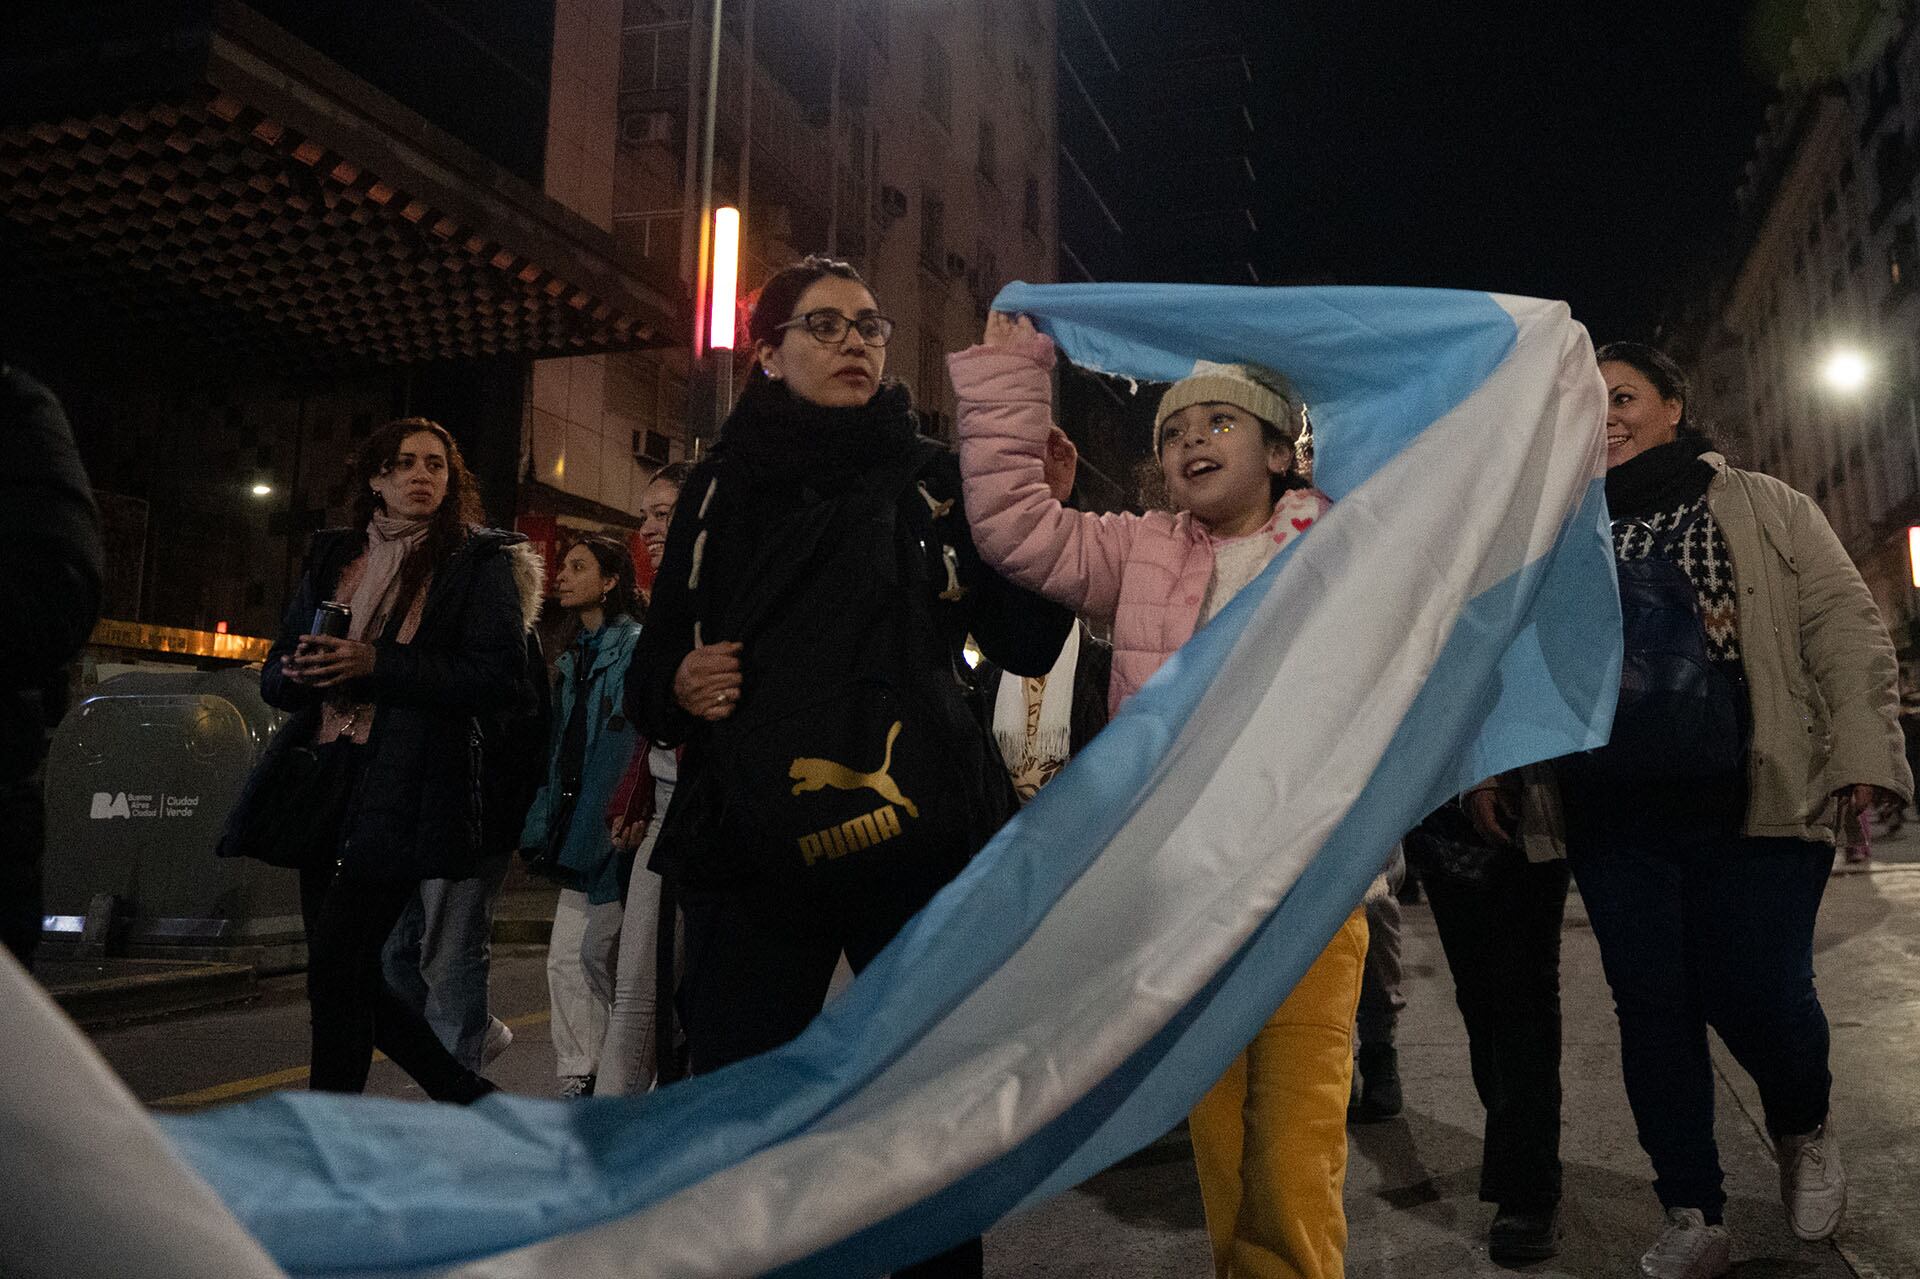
(376, 783)
(804, 644)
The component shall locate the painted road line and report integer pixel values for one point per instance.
(239, 1088)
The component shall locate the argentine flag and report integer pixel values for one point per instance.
(1068, 998)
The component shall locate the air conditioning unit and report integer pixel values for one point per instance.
(652, 448)
(956, 266)
(648, 128)
(892, 202)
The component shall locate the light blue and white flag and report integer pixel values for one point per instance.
(1070, 996)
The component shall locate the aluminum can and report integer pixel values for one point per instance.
(331, 619)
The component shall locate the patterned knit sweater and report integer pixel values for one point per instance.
(1701, 553)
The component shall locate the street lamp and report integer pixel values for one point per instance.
(262, 489)
(704, 266)
(722, 307)
(1845, 370)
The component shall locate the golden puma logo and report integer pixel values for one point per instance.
(817, 774)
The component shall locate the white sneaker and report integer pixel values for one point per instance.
(499, 1039)
(1813, 1183)
(1688, 1248)
(572, 1086)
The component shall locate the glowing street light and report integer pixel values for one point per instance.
(726, 278)
(1845, 370)
(263, 490)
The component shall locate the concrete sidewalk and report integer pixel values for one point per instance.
(1411, 1183)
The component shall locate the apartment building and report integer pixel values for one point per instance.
(1824, 263)
(915, 140)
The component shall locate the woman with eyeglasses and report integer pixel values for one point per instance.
(804, 643)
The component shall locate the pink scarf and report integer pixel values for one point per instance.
(390, 540)
(370, 584)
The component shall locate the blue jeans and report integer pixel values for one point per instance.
(438, 957)
(1712, 930)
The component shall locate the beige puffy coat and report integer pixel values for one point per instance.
(1821, 672)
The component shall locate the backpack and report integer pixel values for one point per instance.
(1678, 716)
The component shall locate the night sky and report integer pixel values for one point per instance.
(1580, 151)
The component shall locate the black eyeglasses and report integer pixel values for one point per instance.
(828, 325)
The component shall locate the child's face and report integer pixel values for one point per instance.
(1217, 463)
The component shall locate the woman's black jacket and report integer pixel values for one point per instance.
(738, 553)
(418, 805)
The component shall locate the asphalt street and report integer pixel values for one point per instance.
(1411, 1182)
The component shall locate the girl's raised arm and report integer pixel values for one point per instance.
(1006, 433)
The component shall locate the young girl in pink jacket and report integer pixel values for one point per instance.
(1269, 1139)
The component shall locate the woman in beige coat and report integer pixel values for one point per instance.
(1703, 878)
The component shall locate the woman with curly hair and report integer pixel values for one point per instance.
(376, 783)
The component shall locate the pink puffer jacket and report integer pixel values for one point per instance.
(1147, 574)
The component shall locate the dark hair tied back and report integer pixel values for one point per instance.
(615, 561)
(774, 304)
(1667, 377)
(1653, 364)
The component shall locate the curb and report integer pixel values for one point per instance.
(155, 988)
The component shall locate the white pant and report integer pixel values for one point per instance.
(580, 961)
(628, 1062)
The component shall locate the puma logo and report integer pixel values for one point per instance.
(818, 774)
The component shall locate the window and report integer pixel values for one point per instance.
(930, 393)
(987, 165)
(936, 81)
(1890, 167)
(1030, 207)
(1903, 256)
(1830, 205)
(1027, 89)
(871, 17)
(933, 232)
(1800, 262)
(1855, 256)
(1846, 175)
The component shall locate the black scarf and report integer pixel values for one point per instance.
(774, 435)
(1661, 479)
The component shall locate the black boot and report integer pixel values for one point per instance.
(1519, 1235)
(1379, 1070)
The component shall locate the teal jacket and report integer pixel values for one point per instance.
(588, 851)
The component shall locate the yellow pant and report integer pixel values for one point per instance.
(1270, 1139)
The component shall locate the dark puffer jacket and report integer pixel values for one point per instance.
(418, 807)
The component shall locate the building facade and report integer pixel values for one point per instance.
(1824, 262)
(237, 238)
(913, 140)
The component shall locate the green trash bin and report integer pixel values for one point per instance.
(139, 781)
